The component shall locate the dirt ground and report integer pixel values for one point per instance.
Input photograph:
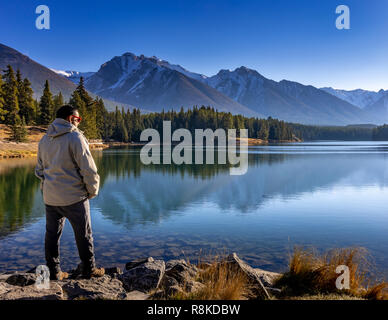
(10, 149)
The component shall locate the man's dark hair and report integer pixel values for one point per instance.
(65, 111)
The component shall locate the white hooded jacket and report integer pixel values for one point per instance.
(65, 165)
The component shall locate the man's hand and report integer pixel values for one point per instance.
(91, 196)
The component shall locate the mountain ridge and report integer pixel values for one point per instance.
(38, 74)
(153, 84)
(358, 97)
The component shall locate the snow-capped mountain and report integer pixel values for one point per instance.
(74, 76)
(237, 84)
(177, 67)
(360, 98)
(153, 84)
(286, 100)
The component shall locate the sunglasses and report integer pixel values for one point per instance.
(78, 119)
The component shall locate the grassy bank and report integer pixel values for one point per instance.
(310, 276)
(10, 149)
(314, 274)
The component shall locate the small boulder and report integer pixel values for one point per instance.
(138, 262)
(169, 285)
(182, 271)
(172, 263)
(143, 277)
(21, 279)
(193, 286)
(94, 289)
(180, 278)
(31, 292)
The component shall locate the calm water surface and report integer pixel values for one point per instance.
(320, 194)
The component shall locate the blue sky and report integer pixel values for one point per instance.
(294, 39)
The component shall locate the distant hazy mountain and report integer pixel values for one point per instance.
(360, 98)
(35, 72)
(379, 109)
(73, 76)
(154, 84)
(286, 100)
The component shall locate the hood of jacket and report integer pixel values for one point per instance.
(59, 127)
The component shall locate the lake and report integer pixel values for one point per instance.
(319, 194)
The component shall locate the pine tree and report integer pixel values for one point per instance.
(123, 131)
(19, 80)
(2, 110)
(227, 121)
(13, 107)
(10, 95)
(77, 102)
(101, 118)
(18, 130)
(84, 95)
(91, 120)
(109, 124)
(137, 125)
(87, 109)
(36, 111)
(26, 100)
(57, 103)
(263, 132)
(46, 105)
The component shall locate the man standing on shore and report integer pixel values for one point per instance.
(69, 179)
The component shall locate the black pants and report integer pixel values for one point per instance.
(79, 217)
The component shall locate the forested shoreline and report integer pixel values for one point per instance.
(346, 133)
(19, 109)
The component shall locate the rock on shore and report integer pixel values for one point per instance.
(142, 279)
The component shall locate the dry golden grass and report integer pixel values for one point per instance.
(251, 141)
(9, 149)
(311, 276)
(311, 273)
(34, 133)
(20, 151)
(220, 281)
